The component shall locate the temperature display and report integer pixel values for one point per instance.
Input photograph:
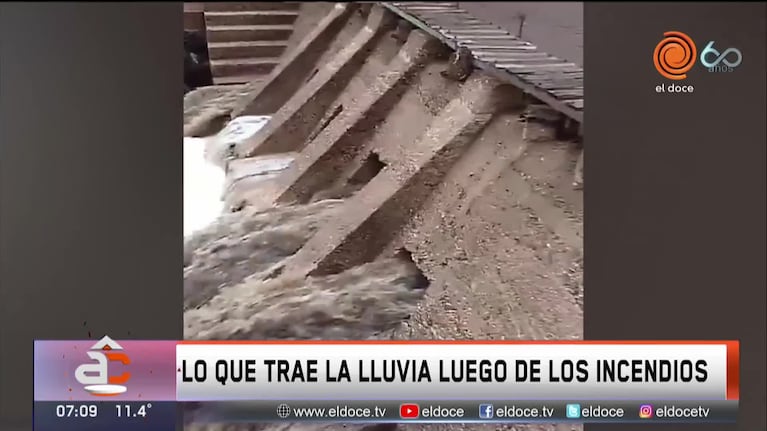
(133, 410)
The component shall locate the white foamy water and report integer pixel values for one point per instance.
(204, 181)
(203, 186)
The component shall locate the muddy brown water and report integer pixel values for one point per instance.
(234, 288)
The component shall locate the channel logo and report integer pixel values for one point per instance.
(409, 411)
(486, 411)
(95, 376)
(676, 54)
(573, 411)
(645, 411)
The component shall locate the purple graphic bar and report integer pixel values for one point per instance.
(152, 370)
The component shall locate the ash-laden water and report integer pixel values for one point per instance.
(234, 289)
(244, 244)
(360, 303)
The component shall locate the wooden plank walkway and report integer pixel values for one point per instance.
(553, 81)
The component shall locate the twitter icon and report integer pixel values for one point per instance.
(573, 411)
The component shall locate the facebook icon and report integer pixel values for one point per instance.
(485, 411)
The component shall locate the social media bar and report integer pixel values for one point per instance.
(491, 411)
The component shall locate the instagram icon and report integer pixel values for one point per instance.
(645, 411)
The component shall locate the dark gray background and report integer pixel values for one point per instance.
(90, 180)
(675, 195)
(90, 183)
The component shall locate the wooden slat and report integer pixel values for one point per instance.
(569, 93)
(558, 85)
(554, 81)
(562, 74)
(527, 68)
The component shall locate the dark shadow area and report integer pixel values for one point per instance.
(369, 169)
(417, 280)
(196, 62)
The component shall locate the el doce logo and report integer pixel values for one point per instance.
(95, 376)
(675, 55)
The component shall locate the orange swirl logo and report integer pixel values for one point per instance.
(675, 55)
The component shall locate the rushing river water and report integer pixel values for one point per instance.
(234, 287)
(203, 187)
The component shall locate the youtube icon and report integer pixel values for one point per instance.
(409, 411)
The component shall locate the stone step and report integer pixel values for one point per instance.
(243, 66)
(194, 21)
(246, 49)
(251, 17)
(249, 6)
(237, 33)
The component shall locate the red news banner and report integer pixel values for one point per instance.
(259, 376)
